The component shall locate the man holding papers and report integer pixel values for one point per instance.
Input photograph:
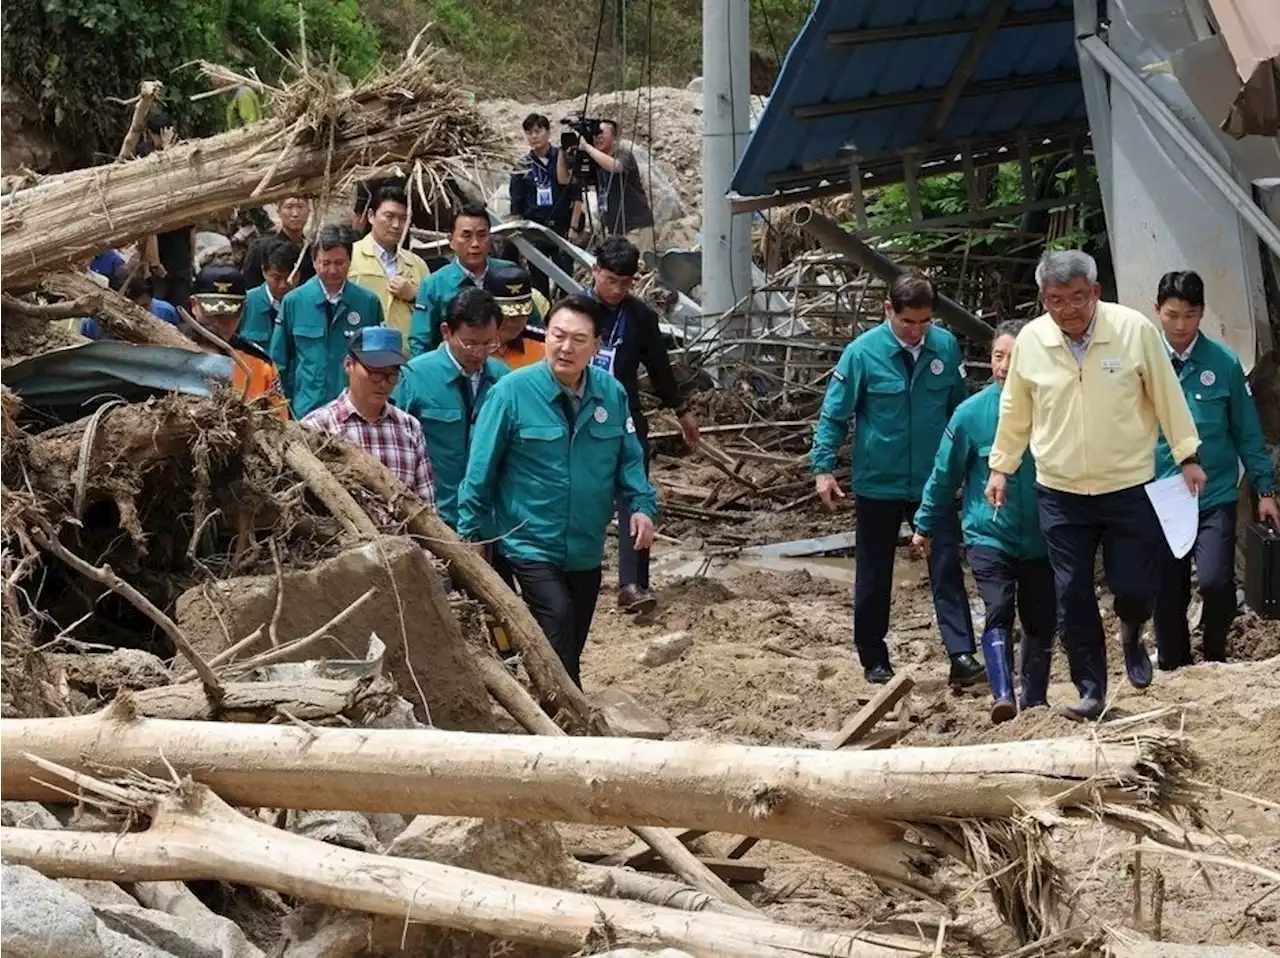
(1218, 395)
(1089, 389)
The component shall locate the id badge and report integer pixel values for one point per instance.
(544, 196)
(603, 359)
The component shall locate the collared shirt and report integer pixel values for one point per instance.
(473, 378)
(477, 278)
(394, 439)
(1181, 357)
(574, 395)
(387, 257)
(333, 298)
(914, 351)
(1080, 347)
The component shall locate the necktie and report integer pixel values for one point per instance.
(1178, 364)
(330, 309)
(910, 362)
(271, 311)
(570, 414)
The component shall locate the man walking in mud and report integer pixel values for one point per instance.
(897, 385)
(1089, 390)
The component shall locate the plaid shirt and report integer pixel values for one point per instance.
(394, 439)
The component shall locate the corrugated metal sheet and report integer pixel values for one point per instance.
(1027, 79)
(81, 376)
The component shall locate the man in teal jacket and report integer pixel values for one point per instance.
(1230, 433)
(469, 239)
(898, 384)
(262, 304)
(554, 444)
(447, 387)
(1007, 554)
(316, 323)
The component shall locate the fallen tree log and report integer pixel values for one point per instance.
(319, 134)
(118, 315)
(196, 836)
(844, 806)
(309, 699)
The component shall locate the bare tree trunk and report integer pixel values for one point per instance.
(844, 806)
(309, 699)
(196, 836)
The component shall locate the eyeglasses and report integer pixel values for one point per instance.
(1075, 301)
(388, 375)
(486, 347)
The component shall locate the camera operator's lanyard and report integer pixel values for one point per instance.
(603, 182)
(605, 355)
(542, 177)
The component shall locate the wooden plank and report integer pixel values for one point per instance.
(727, 869)
(873, 711)
(640, 855)
(880, 738)
(803, 547)
(740, 846)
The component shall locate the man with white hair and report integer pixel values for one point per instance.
(1090, 387)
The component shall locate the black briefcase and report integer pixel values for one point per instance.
(1262, 570)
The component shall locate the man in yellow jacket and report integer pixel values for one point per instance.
(1090, 388)
(380, 265)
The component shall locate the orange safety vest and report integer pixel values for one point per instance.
(262, 379)
(524, 351)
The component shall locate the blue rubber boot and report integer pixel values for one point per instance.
(998, 656)
(1037, 657)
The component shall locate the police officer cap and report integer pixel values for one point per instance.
(510, 286)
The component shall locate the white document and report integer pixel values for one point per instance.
(1178, 511)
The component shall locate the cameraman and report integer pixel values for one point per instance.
(624, 207)
(542, 191)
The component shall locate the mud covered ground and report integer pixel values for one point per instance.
(772, 663)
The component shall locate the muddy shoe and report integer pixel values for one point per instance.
(634, 600)
(878, 674)
(1137, 661)
(1083, 711)
(965, 671)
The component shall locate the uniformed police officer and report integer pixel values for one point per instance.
(316, 323)
(1230, 433)
(553, 445)
(446, 388)
(898, 384)
(1007, 553)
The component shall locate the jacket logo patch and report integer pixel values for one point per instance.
(601, 414)
(837, 375)
(353, 318)
(1207, 378)
(936, 367)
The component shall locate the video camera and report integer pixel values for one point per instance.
(580, 164)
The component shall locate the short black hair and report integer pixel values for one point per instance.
(389, 194)
(613, 124)
(618, 255)
(534, 121)
(137, 284)
(580, 303)
(1185, 285)
(911, 290)
(470, 208)
(331, 237)
(473, 307)
(280, 254)
(1010, 327)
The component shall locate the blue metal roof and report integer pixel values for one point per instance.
(864, 78)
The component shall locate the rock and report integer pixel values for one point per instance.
(664, 649)
(424, 649)
(102, 676)
(27, 815)
(523, 851)
(44, 920)
(628, 718)
(211, 936)
(98, 893)
(345, 829)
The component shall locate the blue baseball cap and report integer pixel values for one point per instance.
(379, 347)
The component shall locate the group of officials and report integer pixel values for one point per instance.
(1089, 403)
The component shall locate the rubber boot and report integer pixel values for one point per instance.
(997, 653)
(1037, 657)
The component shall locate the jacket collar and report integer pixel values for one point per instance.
(929, 344)
(549, 387)
(454, 371)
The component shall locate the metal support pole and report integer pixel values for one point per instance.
(726, 238)
(1097, 102)
(1151, 104)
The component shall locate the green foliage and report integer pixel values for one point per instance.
(69, 55)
